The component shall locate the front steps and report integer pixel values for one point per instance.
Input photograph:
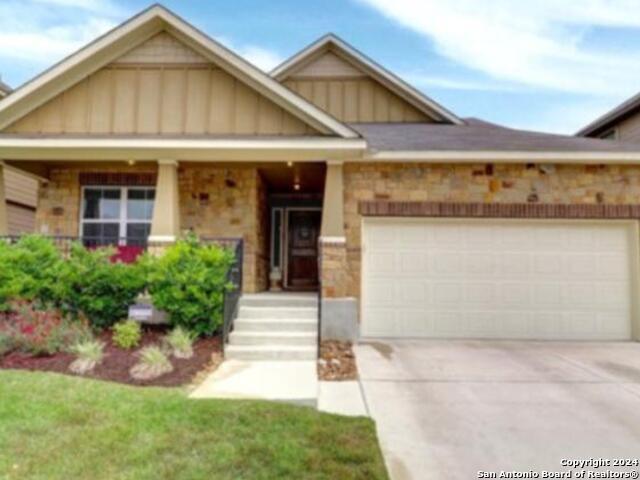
(275, 327)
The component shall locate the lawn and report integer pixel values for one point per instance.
(59, 427)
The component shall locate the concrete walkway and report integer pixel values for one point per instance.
(448, 409)
(342, 398)
(286, 381)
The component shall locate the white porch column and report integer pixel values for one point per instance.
(333, 203)
(165, 224)
(4, 220)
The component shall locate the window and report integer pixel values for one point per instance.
(116, 215)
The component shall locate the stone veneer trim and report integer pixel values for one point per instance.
(381, 208)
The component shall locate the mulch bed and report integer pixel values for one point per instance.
(207, 355)
(337, 361)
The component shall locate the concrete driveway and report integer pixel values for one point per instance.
(449, 409)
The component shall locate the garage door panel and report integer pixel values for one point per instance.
(517, 280)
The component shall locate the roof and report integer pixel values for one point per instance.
(477, 135)
(4, 89)
(134, 31)
(394, 83)
(613, 116)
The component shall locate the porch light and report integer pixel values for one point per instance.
(131, 162)
(289, 164)
(296, 186)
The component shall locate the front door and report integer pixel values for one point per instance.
(302, 256)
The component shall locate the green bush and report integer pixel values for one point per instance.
(28, 270)
(127, 334)
(90, 283)
(189, 282)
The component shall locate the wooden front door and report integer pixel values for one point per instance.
(302, 249)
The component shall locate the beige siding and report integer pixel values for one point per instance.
(162, 48)
(629, 129)
(328, 65)
(160, 87)
(21, 219)
(20, 188)
(356, 99)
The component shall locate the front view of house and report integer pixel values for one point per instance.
(338, 176)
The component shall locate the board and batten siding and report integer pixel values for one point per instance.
(161, 87)
(349, 94)
(142, 99)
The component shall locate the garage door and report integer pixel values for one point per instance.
(497, 279)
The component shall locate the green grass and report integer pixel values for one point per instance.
(58, 427)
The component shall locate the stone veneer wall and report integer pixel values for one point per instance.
(481, 183)
(333, 269)
(228, 202)
(214, 202)
(58, 209)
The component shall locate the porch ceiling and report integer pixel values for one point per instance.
(282, 178)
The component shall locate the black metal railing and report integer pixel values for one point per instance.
(233, 294)
(319, 336)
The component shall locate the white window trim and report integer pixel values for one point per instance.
(122, 221)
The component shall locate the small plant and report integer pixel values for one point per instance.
(153, 363)
(181, 342)
(44, 331)
(127, 334)
(6, 344)
(89, 354)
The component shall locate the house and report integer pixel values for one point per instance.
(21, 192)
(338, 175)
(620, 123)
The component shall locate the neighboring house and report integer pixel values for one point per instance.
(4, 89)
(21, 193)
(424, 224)
(620, 123)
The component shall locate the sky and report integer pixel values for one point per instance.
(547, 65)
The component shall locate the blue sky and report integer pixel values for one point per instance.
(550, 65)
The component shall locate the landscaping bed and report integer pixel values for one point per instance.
(117, 362)
(337, 361)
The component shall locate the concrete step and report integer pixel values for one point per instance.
(280, 299)
(273, 338)
(278, 312)
(276, 325)
(270, 352)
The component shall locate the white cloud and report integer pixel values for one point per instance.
(45, 31)
(538, 43)
(424, 80)
(261, 57)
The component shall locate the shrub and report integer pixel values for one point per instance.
(89, 354)
(28, 270)
(189, 282)
(152, 364)
(127, 334)
(90, 283)
(181, 342)
(43, 331)
(6, 344)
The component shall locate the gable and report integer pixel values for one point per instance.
(161, 87)
(355, 99)
(353, 88)
(50, 89)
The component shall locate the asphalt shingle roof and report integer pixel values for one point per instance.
(477, 135)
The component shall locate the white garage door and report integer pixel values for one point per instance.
(497, 279)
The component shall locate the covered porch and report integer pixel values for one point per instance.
(283, 208)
